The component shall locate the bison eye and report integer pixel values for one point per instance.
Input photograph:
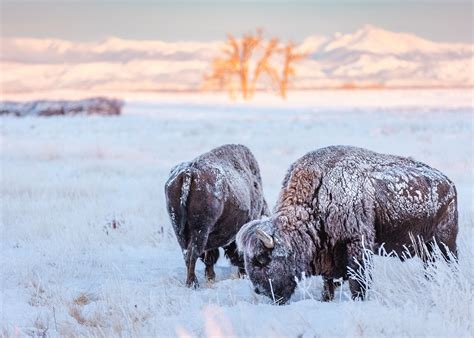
(261, 260)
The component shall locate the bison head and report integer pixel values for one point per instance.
(269, 261)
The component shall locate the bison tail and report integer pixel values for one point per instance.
(185, 189)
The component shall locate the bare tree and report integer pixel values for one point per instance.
(236, 63)
(247, 45)
(245, 60)
(289, 57)
(223, 74)
(264, 66)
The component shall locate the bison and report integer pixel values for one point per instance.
(208, 201)
(335, 202)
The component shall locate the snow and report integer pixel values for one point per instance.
(89, 106)
(87, 246)
(380, 41)
(369, 57)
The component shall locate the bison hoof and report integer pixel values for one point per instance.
(210, 275)
(192, 282)
(327, 296)
(358, 296)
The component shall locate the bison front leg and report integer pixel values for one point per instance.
(235, 257)
(328, 290)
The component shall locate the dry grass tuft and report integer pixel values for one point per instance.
(84, 299)
(39, 296)
(96, 319)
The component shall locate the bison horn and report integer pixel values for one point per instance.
(266, 239)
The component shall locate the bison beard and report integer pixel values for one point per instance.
(208, 200)
(335, 202)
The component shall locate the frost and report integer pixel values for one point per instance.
(56, 195)
(92, 106)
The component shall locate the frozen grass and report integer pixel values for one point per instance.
(87, 248)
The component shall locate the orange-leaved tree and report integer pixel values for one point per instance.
(289, 58)
(245, 60)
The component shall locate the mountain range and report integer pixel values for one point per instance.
(371, 57)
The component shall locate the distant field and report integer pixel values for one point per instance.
(88, 249)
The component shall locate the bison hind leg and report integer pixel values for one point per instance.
(232, 253)
(190, 258)
(210, 258)
(447, 231)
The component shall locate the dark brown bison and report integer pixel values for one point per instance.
(208, 201)
(334, 202)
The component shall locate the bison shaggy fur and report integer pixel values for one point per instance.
(208, 201)
(337, 201)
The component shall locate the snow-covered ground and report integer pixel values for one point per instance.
(87, 247)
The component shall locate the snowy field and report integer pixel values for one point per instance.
(87, 247)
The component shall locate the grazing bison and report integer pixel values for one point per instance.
(334, 202)
(208, 201)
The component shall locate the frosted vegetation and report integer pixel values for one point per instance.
(87, 247)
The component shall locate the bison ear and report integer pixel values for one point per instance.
(266, 239)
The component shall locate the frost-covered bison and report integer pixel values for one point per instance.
(336, 200)
(208, 201)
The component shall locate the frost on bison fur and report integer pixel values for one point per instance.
(208, 201)
(334, 202)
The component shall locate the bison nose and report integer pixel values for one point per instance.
(256, 291)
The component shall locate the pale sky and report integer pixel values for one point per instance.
(446, 21)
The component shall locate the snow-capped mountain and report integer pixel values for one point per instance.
(369, 57)
(379, 41)
(373, 56)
